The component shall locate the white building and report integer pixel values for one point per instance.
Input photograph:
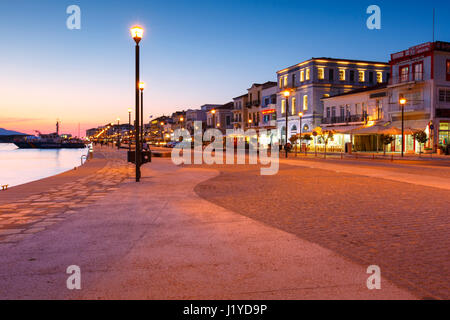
(421, 74)
(312, 80)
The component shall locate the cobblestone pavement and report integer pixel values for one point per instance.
(401, 227)
(35, 213)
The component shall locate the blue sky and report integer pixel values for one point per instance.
(193, 52)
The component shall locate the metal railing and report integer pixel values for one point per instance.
(345, 119)
(405, 78)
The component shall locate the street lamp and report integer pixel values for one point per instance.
(129, 129)
(403, 102)
(142, 87)
(213, 112)
(182, 120)
(286, 94)
(137, 34)
(118, 133)
(300, 115)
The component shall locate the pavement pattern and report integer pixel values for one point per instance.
(401, 227)
(35, 213)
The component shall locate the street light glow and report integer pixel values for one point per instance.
(137, 33)
(286, 93)
(129, 110)
(403, 101)
(141, 85)
(300, 114)
(213, 111)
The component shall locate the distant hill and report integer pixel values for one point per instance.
(4, 132)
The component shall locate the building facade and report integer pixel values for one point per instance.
(310, 81)
(421, 75)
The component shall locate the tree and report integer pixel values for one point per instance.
(386, 140)
(422, 138)
(327, 136)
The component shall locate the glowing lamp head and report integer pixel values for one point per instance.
(162, 123)
(213, 111)
(300, 114)
(286, 94)
(137, 33)
(250, 121)
(181, 119)
(402, 101)
(142, 86)
(129, 110)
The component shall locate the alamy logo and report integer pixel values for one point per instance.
(374, 281)
(74, 20)
(374, 21)
(74, 280)
(236, 143)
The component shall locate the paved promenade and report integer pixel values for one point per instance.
(160, 240)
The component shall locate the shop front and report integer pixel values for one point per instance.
(444, 133)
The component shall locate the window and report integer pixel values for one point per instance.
(333, 112)
(342, 74)
(294, 79)
(308, 74)
(305, 102)
(293, 106)
(418, 71)
(379, 77)
(321, 73)
(444, 95)
(281, 83)
(285, 81)
(228, 120)
(342, 112)
(448, 70)
(352, 75)
(404, 74)
(361, 76)
(302, 76)
(283, 106)
(371, 77)
(331, 74)
(328, 112)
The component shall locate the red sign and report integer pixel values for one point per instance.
(421, 48)
(269, 111)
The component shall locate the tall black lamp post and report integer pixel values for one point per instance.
(118, 133)
(402, 104)
(137, 33)
(129, 129)
(286, 94)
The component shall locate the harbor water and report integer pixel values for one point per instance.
(19, 166)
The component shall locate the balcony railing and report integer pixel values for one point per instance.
(410, 107)
(345, 119)
(406, 78)
(254, 103)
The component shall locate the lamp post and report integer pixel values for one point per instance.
(300, 115)
(213, 112)
(142, 87)
(137, 33)
(286, 94)
(129, 129)
(402, 104)
(182, 125)
(118, 133)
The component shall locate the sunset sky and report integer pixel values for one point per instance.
(193, 52)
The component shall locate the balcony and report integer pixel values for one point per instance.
(410, 107)
(345, 119)
(255, 103)
(407, 78)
